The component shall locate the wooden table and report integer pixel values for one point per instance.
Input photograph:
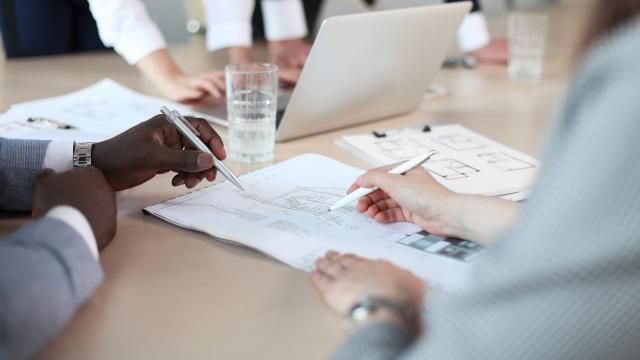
(176, 294)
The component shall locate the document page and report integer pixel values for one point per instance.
(285, 214)
(466, 162)
(101, 110)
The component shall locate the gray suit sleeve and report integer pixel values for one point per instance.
(20, 161)
(378, 341)
(46, 273)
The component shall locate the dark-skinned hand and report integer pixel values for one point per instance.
(154, 147)
(84, 189)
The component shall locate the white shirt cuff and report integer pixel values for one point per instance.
(59, 156)
(230, 34)
(474, 33)
(74, 218)
(284, 20)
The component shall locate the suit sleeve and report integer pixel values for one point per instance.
(20, 161)
(46, 273)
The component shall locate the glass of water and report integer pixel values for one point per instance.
(252, 94)
(527, 41)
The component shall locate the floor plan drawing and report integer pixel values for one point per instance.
(451, 169)
(106, 109)
(505, 162)
(400, 149)
(459, 142)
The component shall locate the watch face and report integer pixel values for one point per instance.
(360, 313)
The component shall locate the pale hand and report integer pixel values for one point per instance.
(414, 197)
(194, 88)
(497, 52)
(343, 279)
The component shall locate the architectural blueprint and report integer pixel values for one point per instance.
(102, 110)
(466, 162)
(285, 214)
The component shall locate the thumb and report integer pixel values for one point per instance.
(184, 160)
(377, 178)
(45, 173)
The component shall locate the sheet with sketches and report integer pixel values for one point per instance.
(466, 162)
(97, 112)
(284, 213)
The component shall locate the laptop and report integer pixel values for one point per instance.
(366, 67)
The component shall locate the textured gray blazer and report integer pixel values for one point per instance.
(46, 269)
(564, 282)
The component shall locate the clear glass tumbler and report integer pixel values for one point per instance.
(527, 41)
(252, 94)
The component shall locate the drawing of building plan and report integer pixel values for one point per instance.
(104, 109)
(284, 213)
(466, 162)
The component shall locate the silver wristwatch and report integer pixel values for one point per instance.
(369, 305)
(82, 154)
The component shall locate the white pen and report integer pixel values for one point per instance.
(398, 170)
(188, 131)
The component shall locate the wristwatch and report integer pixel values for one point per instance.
(82, 154)
(368, 305)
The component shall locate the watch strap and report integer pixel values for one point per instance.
(82, 154)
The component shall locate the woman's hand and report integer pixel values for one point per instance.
(418, 198)
(343, 279)
(414, 197)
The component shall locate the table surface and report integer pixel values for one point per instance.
(174, 293)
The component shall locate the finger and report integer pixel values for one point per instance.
(206, 85)
(388, 216)
(192, 180)
(378, 178)
(210, 174)
(182, 160)
(209, 136)
(178, 180)
(329, 266)
(367, 201)
(379, 206)
(352, 188)
(320, 281)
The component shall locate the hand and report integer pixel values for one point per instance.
(84, 189)
(194, 88)
(289, 54)
(415, 197)
(160, 68)
(342, 280)
(496, 52)
(154, 147)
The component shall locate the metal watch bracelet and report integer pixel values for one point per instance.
(82, 154)
(368, 305)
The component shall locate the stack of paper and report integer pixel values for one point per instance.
(97, 112)
(466, 162)
(285, 214)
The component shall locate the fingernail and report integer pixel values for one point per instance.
(204, 161)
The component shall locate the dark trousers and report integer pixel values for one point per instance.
(47, 27)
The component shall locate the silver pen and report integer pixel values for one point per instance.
(188, 131)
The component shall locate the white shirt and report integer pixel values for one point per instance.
(126, 25)
(59, 157)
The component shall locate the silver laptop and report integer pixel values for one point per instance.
(369, 66)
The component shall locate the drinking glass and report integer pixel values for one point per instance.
(252, 94)
(527, 40)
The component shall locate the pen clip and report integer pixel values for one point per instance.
(186, 123)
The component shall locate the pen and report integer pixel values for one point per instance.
(188, 131)
(398, 170)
